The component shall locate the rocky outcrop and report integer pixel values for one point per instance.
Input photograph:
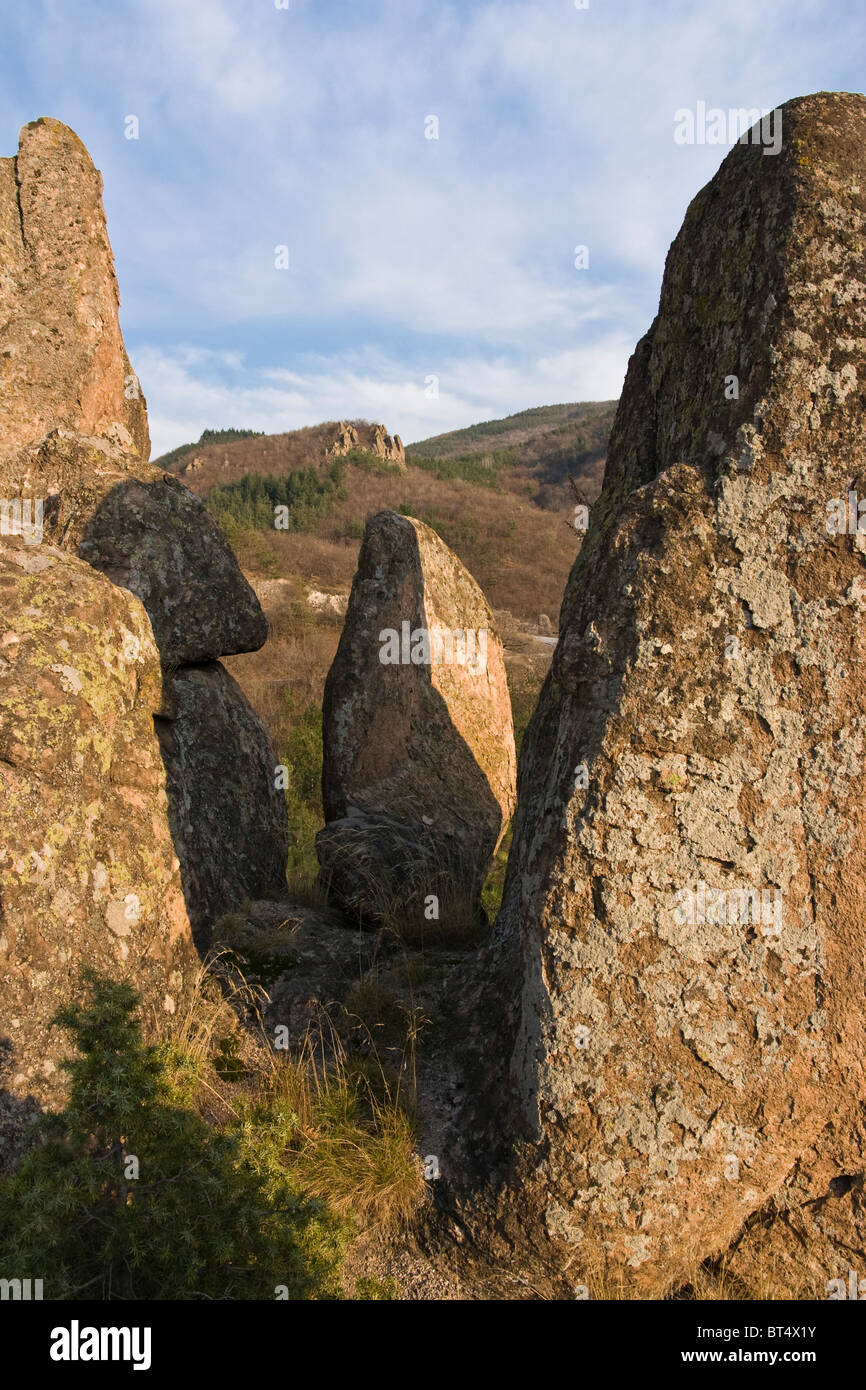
(88, 870)
(62, 359)
(682, 934)
(73, 422)
(146, 532)
(388, 447)
(419, 764)
(111, 840)
(373, 439)
(347, 439)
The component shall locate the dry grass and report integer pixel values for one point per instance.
(352, 1133)
(355, 1145)
(209, 1007)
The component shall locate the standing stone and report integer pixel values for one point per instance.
(62, 359)
(684, 911)
(419, 763)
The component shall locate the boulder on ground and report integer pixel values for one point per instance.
(419, 762)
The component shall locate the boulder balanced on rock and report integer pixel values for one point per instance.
(419, 764)
(684, 909)
(107, 832)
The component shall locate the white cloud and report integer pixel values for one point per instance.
(305, 127)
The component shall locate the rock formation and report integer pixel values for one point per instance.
(419, 764)
(88, 871)
(372, 439)
(95, 858)
(682, 934)
(228, 817)
(62, 359)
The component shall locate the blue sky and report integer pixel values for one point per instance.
(409, 258)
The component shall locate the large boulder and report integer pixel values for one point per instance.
(683, 933)
(146, 532)
(419, 762)
(227, 816)
(89, 873)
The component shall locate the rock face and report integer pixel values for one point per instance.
(73, 422)
(104, 828)
(227, 818)
(419, 764)
(88, 871)
(808, 1241)
(683, 917)
(62, 359)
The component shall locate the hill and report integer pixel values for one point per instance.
(497, 493)
(545, 446)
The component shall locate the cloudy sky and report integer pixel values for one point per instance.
(415, 264)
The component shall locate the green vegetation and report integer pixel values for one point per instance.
(249, 504)
(481, 469)
(542, 418)
(456, 532)
(137, 1191)
(370, 462)
(166, 461)
(302, 755)
(132, 1195)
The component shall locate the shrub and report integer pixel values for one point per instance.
(132, 1195)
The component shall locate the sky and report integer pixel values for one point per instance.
(331, 209)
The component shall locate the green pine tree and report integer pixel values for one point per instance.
(132, 1195)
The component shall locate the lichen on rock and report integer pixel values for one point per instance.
(683, 913)
(419, 756)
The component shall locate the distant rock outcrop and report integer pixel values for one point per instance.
(373, 439)
(419, 763)
(684, 910)
(94, 859)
